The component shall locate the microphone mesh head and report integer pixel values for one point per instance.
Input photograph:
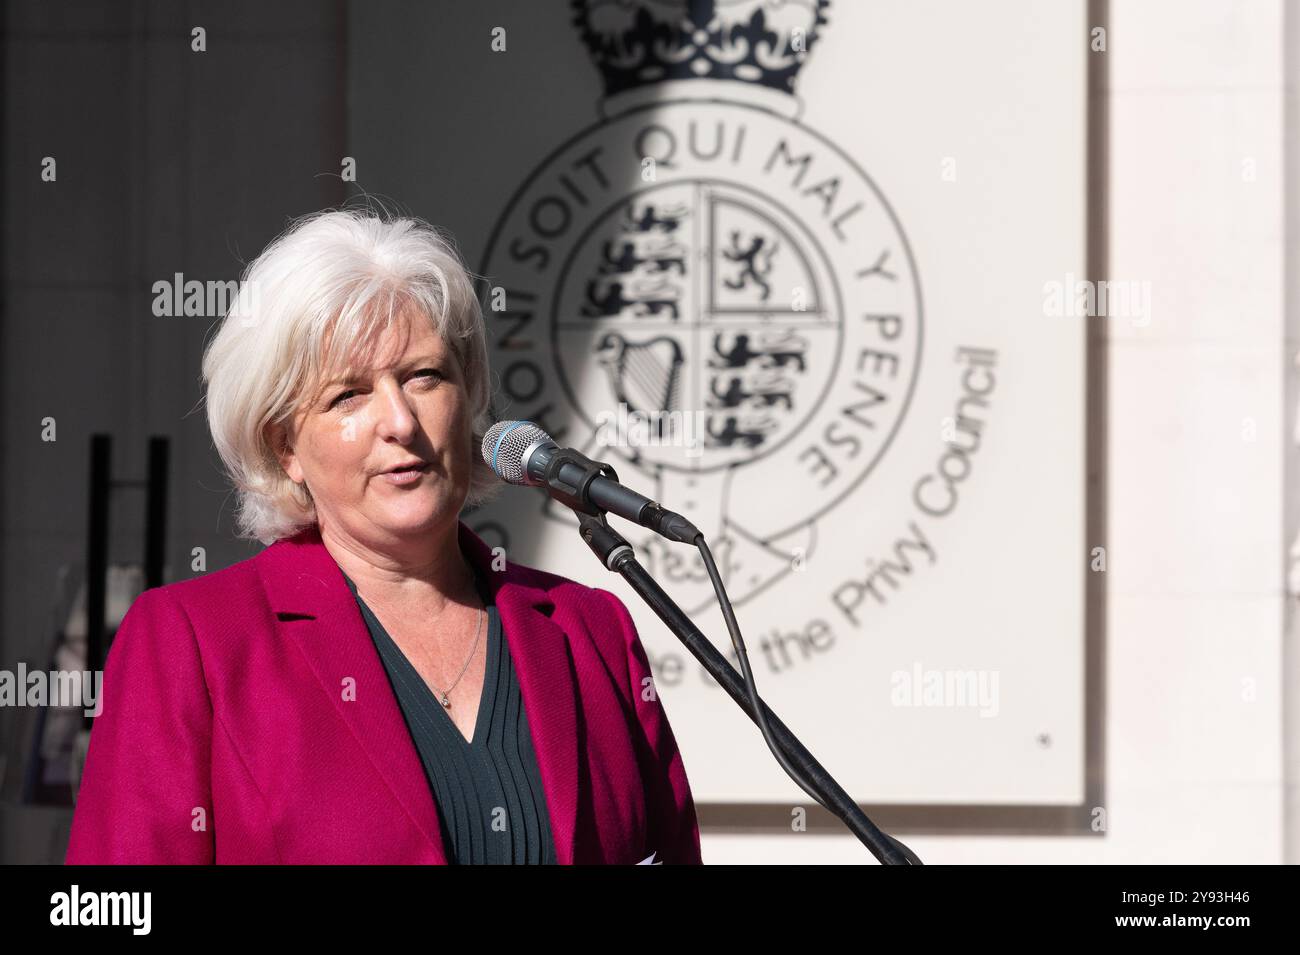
(504, 446)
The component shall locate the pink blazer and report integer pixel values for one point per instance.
(247, 718)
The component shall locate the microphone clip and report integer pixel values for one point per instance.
(575, 495)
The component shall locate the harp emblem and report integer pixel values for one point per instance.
(644, 375)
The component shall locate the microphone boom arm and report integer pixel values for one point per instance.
(618, 556)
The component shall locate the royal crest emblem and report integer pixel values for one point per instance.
(704, 265)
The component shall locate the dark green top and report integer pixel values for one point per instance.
(488, 792)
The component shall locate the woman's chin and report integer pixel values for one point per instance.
(411, 516)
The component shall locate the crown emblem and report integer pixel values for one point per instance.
(637, 43)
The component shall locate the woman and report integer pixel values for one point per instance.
(377, 685)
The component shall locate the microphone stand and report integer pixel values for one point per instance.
(617, 555)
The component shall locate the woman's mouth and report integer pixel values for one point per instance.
(406, 475)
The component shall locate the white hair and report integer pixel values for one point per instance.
(334, 280)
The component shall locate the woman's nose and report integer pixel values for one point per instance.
(395, 415)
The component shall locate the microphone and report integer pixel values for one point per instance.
(520, 452)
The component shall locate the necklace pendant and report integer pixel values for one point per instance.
(445, 704)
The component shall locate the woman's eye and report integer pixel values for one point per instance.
(344, 399)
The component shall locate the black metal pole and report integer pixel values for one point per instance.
(155, 519)
(101, 458)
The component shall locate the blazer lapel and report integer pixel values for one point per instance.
(316, 609)
(539, 649)
(307, 592)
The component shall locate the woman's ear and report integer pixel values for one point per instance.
(277, 437)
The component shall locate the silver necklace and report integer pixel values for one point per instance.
(442, 695)
(477, 628)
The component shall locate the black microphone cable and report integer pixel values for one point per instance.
(760, 717)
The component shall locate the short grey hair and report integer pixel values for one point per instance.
(333, 279)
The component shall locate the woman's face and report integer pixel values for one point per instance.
(411, 404)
